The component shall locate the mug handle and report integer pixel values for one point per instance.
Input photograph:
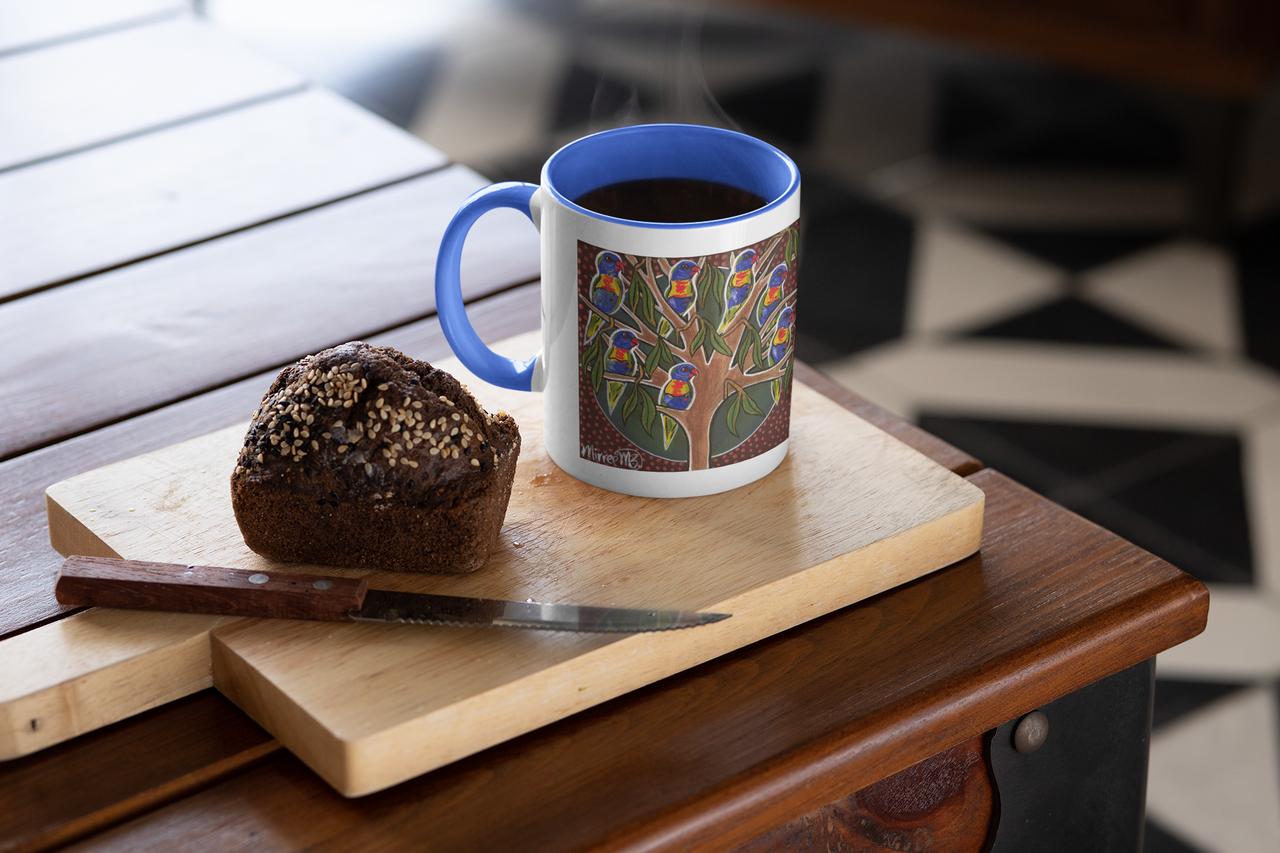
(466, 344)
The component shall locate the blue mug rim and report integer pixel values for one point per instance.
(637, 152)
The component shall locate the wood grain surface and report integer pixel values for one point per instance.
(710, 758)
(86, 212)
(95, 795)
(944, 804)
(930, 445)
(187, 588)
(717, 755)
(849, 513)
(26, 26)
(91, 91)
(218, 311)
(82, 787)
(28, 564)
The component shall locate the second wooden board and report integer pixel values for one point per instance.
(850, 513)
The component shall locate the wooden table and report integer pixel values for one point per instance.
(181, 219)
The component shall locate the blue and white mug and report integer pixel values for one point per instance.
(667, 346)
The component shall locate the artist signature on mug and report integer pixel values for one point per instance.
(623, 458)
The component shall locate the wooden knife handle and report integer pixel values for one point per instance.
(138, 585)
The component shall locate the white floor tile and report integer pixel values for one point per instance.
(962, 279)
(1213, 775)
(1261, 450)
(1119, 386)
(1240, 643)
(496, 84)
(1183, 290)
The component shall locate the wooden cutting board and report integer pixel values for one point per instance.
(850, 513)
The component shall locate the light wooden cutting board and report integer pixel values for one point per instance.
(851, 512)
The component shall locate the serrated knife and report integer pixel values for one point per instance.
(139, 585)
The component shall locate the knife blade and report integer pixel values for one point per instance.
(141, 585)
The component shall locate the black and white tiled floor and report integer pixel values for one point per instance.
(999, 252)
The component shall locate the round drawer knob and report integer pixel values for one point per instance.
(1031, 733)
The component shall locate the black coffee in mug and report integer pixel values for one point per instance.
(670, 200)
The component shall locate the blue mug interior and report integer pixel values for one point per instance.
(670, 151)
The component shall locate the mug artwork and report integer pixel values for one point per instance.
(670, 261)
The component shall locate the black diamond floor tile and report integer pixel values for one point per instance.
(1157, 839)
(1077, 251)
(1070, 320)
(1004, 114)
(853, 271)
(783, 110)
(1177, 697)
(1202, 503)
(1178, 495)
(1258, 272)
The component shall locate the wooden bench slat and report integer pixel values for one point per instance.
(75, 789)
(735, 747)
(90, 91)
(26, 26)
(75, 215)
(231, 307)
(28, 564)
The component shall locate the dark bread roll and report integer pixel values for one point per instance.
(362, 456)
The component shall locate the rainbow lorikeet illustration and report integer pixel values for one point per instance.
(782, 335)
(772, 295)
(678, 392)
(681, 289)
(606, 291)
(621, 358)
(738, 286)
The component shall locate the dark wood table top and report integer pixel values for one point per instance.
(182, 219)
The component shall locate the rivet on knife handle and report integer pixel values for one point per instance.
(137, 585)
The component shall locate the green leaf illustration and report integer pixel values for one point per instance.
(717, 342)
(654, 360)
(735, 408)
(597, 372)
(648, 411)
(750, 406)
(591, 354)
(743, 352)
(700, 337)
(644, 302)
(630, 406)
(710, 291)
